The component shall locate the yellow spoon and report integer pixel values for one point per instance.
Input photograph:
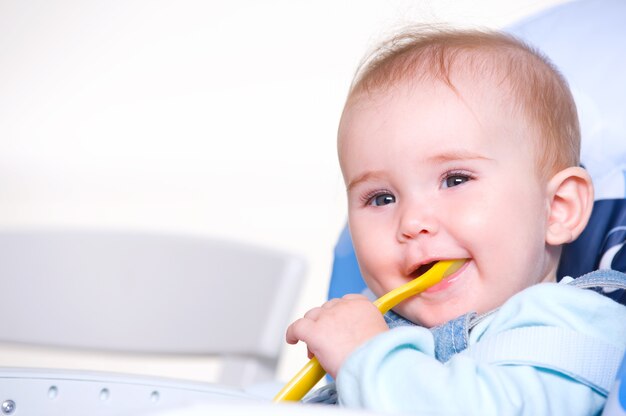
(313, 372)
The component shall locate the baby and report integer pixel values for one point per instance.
(462, 144)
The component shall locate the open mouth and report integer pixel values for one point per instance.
(422, 269)
(449, 279)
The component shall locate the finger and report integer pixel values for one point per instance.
(331, 303)
(297, 331)
(355, 296)
(313, 314)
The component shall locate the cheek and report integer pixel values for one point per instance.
(473, 218)
(371, 244)
(488, 224)
(373, 265)
(507, 232)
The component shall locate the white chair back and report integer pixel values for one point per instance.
(144, 293)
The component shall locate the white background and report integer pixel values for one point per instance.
(215, 117)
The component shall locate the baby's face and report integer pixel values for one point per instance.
(433, 176)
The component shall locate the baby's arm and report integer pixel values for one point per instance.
(397, 371)
(334, 330)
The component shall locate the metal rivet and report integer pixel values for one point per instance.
(154, 397)
(53, 392)
(8, 407)
(104, 394)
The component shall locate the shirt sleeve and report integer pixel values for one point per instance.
(397, 371)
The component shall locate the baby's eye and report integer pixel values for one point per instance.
(455, 179)
(382, 199)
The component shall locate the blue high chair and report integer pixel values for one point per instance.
(586, 40)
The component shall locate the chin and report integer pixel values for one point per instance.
(429, 317)
(432, 323)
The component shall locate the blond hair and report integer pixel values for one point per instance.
(539, 91)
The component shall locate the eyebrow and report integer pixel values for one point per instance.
(456, 155)
(364, 177)
(439, 158)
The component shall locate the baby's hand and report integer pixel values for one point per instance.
(337, 328)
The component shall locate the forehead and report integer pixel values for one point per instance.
(419, 104)
(430, 116)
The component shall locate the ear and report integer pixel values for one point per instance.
(570, 194)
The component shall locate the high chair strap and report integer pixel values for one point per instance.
(588, 360)
(603, 280)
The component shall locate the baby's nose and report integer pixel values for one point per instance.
(416, 221)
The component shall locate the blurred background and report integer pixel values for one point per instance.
(213, 118)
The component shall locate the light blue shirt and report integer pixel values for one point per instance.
(397, 372)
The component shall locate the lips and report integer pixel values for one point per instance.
(447, 282)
